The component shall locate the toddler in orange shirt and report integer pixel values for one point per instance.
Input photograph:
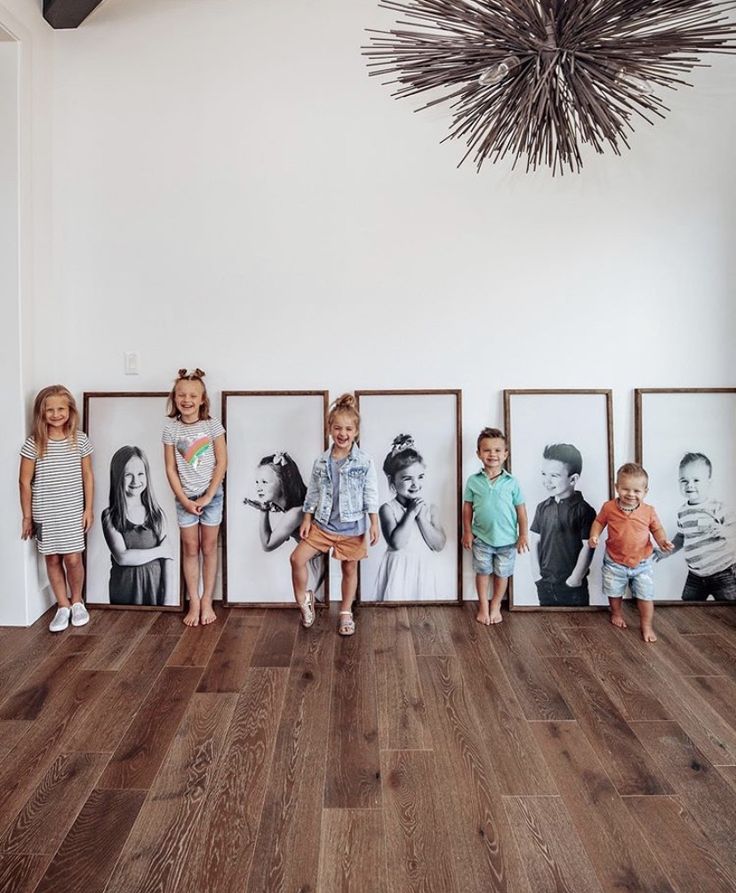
(629, 558)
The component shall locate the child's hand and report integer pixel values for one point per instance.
(194, 508)
(304, 528)
(593, 542)
(373, 533)
(202, 501)
(87, 519)
(522, 544)
(666, 546)
(573, 582)
(467, 541)
(26, 530)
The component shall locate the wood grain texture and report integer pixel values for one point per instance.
(401, 711)
(232, 812)
(537, 692)
(700, 787)
(618, 851)
(142, 749)
(517, 759)
(550, 848)
(627, 763)
(116, 644)
(352, 853)
(353, 775)
(51, 809)
(227, 669)
(429, 629)
(477, 827)
(687, 855)
(416, 825)
(90, 850)
(275, 643)
(720, 693)
(11, 731)
(717, 650)
(196, 645)
(167, 624)
(21, 874)
(288, 836)
(166, 834)
(122, 697)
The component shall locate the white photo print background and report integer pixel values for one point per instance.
(431, 420)
(673, 425)
(537, 420)
(259, 426)
(113, 422)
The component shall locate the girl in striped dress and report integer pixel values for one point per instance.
(196, 458)
(56, 487)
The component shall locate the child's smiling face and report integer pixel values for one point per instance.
(695, 482)
(188, 397)
(268, 484)
(492, 453)
(409, 482)
(631, 489)
(557, 480)
(134, 476)
(56, 412)
(343, 431)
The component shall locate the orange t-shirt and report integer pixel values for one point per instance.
(629, 540)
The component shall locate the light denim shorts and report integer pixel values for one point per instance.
(211, 514)
(640, 578)
(498, 560)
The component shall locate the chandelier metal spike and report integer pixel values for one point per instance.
(541, 78)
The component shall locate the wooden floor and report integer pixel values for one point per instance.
(427, 753)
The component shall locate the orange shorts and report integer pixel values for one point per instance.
(344, 548)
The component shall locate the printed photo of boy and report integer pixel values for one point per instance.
(560, 529)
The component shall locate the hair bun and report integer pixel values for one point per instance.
(345, 401)
(190, 374)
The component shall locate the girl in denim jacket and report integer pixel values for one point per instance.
(343, 488)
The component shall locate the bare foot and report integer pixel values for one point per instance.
(207, 614)
(496, 616)
(192, 615)
(617, 619)
(483, 617)
(647, 633)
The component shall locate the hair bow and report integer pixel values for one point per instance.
(402, 442)
(191, 373)
(279, 458)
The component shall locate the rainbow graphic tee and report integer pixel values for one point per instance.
(195, 452)
(192, 451)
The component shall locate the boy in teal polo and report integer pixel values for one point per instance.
(495, 524)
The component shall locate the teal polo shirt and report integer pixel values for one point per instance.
(494, 507)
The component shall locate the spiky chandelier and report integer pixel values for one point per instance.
(539, 78)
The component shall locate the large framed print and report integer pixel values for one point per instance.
(685, 440)
(273, 439)
(414, 438)
(561, 451)
(133, 555)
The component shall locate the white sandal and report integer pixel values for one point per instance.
(346, 626)
(307, 609)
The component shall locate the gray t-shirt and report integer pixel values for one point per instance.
(195, 451)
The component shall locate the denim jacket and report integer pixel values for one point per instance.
(358, 487)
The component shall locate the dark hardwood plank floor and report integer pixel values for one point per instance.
(428, 753)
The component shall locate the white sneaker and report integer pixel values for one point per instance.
(79, 614)
(60, 621)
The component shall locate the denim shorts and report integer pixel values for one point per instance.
(211, 514)
(498, 560)
(616, 577)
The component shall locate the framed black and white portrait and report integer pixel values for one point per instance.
(414, 438)
(273, 439)
(685, 440)
(132, 557)
(561, 451)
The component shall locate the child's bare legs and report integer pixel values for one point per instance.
(74, 567)
(646, 619)
(617, 614)
(190, 568)
(57, 579)
(349, 584)
(499, 590)
(300, 558)
(481, 587)
(208, 545)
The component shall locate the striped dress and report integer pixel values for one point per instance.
(708, 537)
(58, 494)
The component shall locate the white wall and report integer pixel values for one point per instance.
(232, 190)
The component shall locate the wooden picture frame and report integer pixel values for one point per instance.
(125, 431)
(290, 428)
(552, 433)
(684, 439)
(417, 573)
